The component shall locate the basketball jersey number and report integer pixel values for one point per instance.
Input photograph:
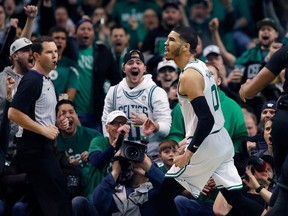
(215, 98)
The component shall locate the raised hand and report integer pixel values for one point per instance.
(31, 11)
(10, 83)
(148, 127)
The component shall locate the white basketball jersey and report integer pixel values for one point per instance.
(211, 96)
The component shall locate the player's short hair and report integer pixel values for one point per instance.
(188, 35)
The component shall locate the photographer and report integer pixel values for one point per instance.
(129, 188)
(102, 149)
(258, 178)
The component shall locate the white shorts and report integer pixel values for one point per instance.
(213, 158)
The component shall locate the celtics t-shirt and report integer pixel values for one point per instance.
(84, 96)
(65, 76)
(77, 144)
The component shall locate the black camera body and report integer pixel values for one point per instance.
(133, 151)
(257, 164)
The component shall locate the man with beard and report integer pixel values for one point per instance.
(74, 140)
(22, 60)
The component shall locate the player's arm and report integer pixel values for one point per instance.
(200, 106)
(252, 87)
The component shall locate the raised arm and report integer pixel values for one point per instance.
(214, 28)
(31, 12)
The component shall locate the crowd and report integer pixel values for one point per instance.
(136, 107)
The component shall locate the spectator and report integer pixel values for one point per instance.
(13, 34)
(102, 148)
(119, 46)
(22, 61)
(172, 94)
(96, 68)
(267, 111)
(101, 25)
(212, 54)
(66, 76)
(258, 180)
(64, 21)
(200, 14)
(167, 73)
(275, 65)
(33, 108)
(3, 24)
(267, 124)
(150, 21)
(129, 14)
(74, 141)
(133, 196)
(167, 150)
(140, 99)
(251, 61)
(153, 43)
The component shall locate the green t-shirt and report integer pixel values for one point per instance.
(65, 76)
(77, 144)
(84, 97)
(123, 11)
(99, 143)
(253, 59)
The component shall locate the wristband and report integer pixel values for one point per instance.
(258, 190)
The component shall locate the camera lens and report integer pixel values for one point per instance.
(131, 153)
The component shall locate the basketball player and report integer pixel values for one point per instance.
(209, 150)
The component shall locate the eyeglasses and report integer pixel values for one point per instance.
(117, 123)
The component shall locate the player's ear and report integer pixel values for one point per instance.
(186, 46)
(123, 68)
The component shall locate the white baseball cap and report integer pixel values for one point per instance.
(166, 63)
(19, 44)
(211, 49)
(114, 114)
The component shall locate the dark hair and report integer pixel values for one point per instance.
(167, 144)
(188, 35)
(117, 26)
(37, 45)
(57, 29)
(64, 101)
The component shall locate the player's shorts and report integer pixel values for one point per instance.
(214, 158)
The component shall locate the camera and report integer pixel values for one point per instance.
(133, 151)
(257, 164)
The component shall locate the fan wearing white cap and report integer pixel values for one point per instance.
(166, 73)
(213, 55)
(102, 149)
(22, 60)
